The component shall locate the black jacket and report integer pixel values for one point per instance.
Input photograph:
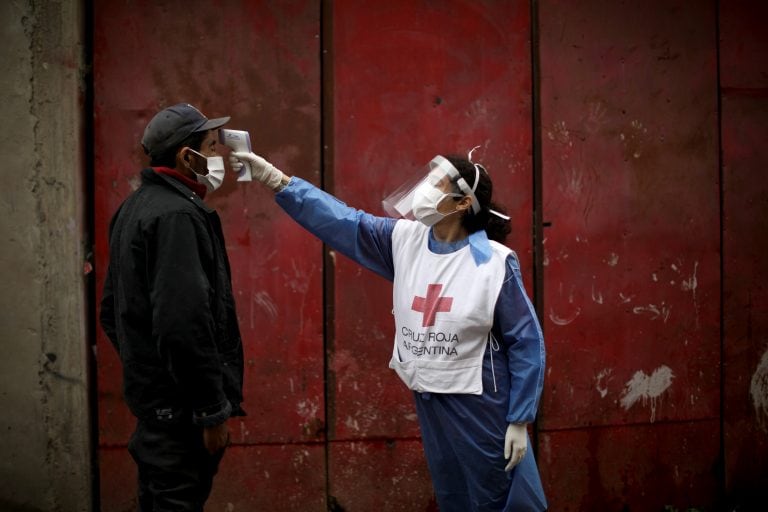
(168, 307)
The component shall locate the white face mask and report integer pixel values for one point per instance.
(426, 199)
(212, 166)
(215, 176)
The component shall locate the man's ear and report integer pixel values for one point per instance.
(182, 158)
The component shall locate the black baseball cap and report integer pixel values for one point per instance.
(172, 125)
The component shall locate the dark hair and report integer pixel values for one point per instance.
(168, 158)
(496, 227)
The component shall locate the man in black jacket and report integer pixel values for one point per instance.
(168, 309)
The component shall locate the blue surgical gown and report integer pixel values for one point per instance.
(462, 435)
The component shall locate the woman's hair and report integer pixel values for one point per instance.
(496, 228)
(168, 159)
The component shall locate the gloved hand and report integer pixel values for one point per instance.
(515, 444)
(261, 170)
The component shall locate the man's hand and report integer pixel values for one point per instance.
(216, 438)
(515, 444)
(262, 170)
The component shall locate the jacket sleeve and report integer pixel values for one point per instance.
(360, 236)
(107, 313)
(107, 305)
(182, 319)
(524, 340)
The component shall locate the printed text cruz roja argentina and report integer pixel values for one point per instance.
(422, 343)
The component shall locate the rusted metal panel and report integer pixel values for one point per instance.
(629, 102)
(284, 477)
(255, 61)
(117, 491)
(743, 44)
(384, 475)
(411, 80)
(745, 309)
(631, 259)
(647, 467)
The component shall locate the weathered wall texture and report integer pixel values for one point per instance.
(744, 130)
(44, 433)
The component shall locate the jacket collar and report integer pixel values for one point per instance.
(150, 175)
(194, 186)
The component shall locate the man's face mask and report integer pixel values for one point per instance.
(209, 170)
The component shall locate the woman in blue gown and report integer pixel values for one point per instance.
(475, 440)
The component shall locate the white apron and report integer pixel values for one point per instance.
(443, 305)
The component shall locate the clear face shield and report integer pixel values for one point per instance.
(419, 197)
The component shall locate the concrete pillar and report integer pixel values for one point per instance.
(45, 453)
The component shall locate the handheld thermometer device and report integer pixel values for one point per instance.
(238, 140)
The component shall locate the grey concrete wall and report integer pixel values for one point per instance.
(44, 426)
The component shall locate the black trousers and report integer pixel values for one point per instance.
(175, 470)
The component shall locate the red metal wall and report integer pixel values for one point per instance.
(258, 62)
(743, 43)
(411, 80)
(631, 282)
(653, 294)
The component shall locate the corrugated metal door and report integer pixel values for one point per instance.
(258, 62)
(631, 280)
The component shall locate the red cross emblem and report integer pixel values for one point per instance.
(432, 304)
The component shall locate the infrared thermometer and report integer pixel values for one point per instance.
(238, 140)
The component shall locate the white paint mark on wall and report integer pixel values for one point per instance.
(563, 320)
(613, 259)
(758, 389)
(625, 298)
(601, 381)
(134, 182)
(647, 388)
(597, 295)
(352, 424)
(243, 431)
(573, 184)
(307, 409)
(597, 117)
(654, 311)
(560, 133)
(691, 285)
(265, 302)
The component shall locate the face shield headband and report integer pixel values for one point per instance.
(477, 178)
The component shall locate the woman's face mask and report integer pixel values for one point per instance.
(426, 199)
